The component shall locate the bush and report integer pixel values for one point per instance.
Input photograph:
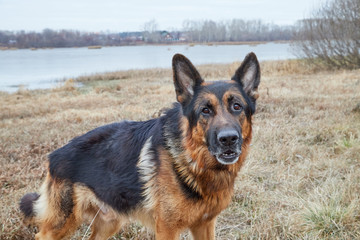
(331, 36)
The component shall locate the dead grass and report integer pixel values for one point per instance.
(301, 179)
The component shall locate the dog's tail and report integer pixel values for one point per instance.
(27, 206)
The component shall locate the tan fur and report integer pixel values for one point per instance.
(51, 220)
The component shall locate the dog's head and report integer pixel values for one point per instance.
(218, 114)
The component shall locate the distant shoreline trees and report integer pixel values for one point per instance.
(193, 31)
(236, 30)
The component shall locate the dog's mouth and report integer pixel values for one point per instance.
(228, 157)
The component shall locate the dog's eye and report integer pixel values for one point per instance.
(205, 111)
(237, 107)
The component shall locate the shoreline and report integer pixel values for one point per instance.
(35, 68)
(83, 79)
(278, 67)
(191, 44)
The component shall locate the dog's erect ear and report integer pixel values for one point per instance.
(186, 78)
(248, 75)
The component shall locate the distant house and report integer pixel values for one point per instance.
(131, 37)
(183, 37)
(12, 42)
(166, 36)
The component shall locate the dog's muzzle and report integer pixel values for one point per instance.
(229, 150)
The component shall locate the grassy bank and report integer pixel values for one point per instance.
(300, 181)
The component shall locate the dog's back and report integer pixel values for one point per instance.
(105, 160)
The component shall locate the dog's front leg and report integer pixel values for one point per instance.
(165, 231)
(204, 230)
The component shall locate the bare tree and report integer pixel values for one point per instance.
(331, 37)
(151, 33)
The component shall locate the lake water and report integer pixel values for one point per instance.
(44, 68)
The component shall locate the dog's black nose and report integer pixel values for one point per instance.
(228, 137)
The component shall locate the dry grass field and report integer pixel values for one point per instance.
(301, 179)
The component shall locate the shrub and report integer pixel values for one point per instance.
(331, 36)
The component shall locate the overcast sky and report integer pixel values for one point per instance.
(130, 15)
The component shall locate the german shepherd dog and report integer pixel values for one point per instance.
(171, 173)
